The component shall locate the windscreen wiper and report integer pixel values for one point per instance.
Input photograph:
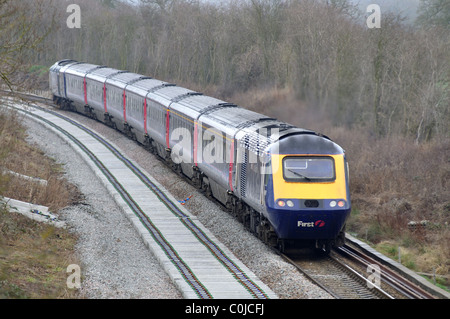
(300, 175)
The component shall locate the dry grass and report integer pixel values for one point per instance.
(20, 157)
(393, 182)
(33, 256)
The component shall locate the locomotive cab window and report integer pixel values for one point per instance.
(308, 169)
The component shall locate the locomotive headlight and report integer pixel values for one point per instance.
(339, 203)
(281, 203)
(290, 203)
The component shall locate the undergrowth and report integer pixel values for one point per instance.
(33, 256)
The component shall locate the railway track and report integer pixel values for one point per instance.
(335, 276)
(343, 273)
(29, 97)
(350, 273)
(400, 286)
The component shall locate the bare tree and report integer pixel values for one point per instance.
(435, 13)
(21, 31)
(393, 80)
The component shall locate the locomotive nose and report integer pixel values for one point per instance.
(308, 196)
(311, 178)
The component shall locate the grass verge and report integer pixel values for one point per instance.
(33, 256)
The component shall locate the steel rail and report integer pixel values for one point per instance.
(376, 290)
(309, 277)
(387, 275)
(356, 285)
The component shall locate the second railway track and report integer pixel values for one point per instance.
(336, 277)
(351, 273)
(398, 285)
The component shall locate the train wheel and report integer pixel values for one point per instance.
(323, 247)
(197, 180)
(206, 187)
(271, 239)
(281, 245)
(254, 221)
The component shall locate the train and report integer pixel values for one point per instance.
(287, 185)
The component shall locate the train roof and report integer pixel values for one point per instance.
(306, 142)
(81, 69)
(146, 85)
(200, 103)
(168, 94)
(101, 73)
(235, 117)
(62, 63)
(195, 104)
(123, 78)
